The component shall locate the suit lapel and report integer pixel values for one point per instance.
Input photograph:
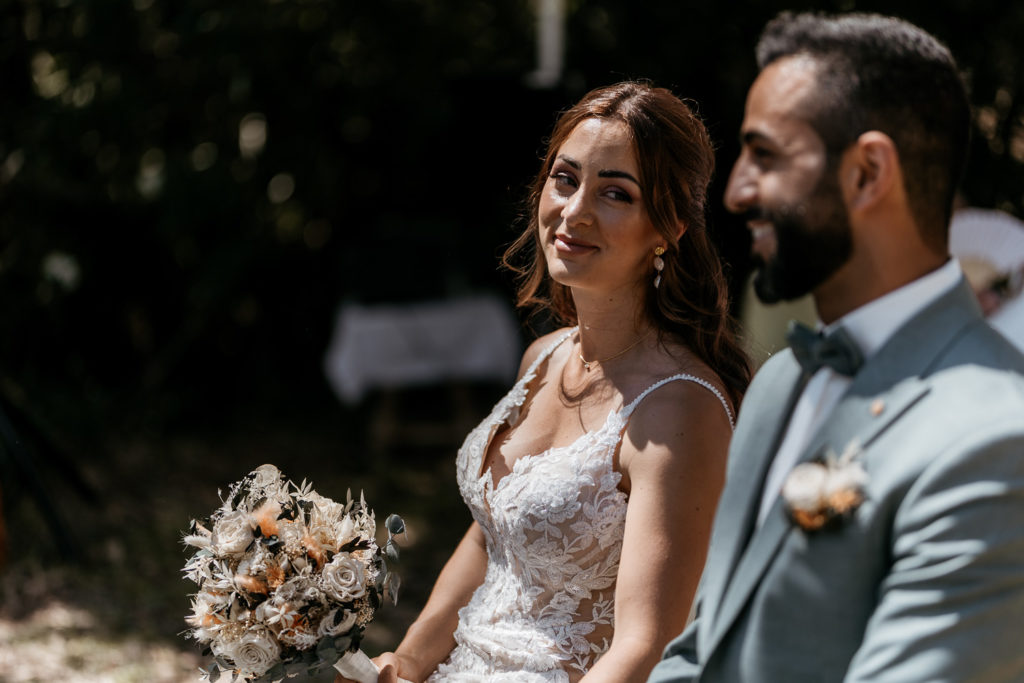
(752, 450)
(852, 421)
(886, 387)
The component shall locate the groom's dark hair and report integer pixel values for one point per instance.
(881, 73)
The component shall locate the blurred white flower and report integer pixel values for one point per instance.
(804, 488)
(822, 492)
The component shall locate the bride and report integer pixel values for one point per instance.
(593, 482)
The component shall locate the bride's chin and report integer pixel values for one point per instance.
(562, 277)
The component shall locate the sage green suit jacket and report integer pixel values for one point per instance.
(925, 581)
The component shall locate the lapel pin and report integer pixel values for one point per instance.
(877, 406)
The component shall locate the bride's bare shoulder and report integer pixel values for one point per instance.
(538, 346)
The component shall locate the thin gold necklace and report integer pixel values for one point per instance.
(588, 363)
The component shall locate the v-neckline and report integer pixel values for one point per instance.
(522, 385)
(487, 475)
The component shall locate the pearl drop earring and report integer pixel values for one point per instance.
(659, 265)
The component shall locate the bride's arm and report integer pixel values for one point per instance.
(673, 460)
(431, 637)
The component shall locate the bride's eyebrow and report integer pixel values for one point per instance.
(617, 174)
(600, 174)
(569, 160)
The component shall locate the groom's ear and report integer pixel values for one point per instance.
(870, 174)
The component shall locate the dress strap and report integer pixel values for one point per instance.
(532, 370)
(628, 410)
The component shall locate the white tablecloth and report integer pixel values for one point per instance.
(393, 346)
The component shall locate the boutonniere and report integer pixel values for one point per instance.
(823, 492)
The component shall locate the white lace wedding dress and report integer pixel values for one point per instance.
(554, 526)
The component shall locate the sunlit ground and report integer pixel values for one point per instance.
(59, 624)
(118, 613)
(57, 641)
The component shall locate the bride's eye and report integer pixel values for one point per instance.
(620, 195)
(564, 179)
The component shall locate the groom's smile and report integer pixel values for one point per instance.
(786, 188)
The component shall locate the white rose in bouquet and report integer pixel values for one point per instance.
(232, 533)
(346, 620)
(344, 578)
(254, 652)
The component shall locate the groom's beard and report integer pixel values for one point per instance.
(812, 241)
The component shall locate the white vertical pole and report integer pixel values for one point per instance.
(550, 43)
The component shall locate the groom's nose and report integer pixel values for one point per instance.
(741, 191)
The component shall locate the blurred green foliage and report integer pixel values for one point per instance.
(189, 188)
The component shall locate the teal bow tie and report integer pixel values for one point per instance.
(814, 350)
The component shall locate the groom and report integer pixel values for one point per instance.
(872, 524)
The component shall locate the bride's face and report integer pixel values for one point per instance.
(593, 224)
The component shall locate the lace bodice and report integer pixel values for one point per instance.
(554, 528)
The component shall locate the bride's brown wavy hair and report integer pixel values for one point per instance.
(676, 160)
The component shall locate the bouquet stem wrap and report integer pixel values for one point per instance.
(357, 666)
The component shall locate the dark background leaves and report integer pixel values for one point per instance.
(167, 299)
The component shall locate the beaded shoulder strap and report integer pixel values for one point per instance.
(628, 410)
(548, 350)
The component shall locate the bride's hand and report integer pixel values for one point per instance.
(390, 666)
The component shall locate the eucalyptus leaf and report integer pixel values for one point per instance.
(392, 551)
(214, 673)
(391, 586)
(296, 666)
(277, 672)
(325, 648)
(395, 524)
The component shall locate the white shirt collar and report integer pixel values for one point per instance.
(872, 324)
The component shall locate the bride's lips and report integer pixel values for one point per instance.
(568, 245)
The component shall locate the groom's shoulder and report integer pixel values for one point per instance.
(982, 345)
(981, 370)
(975, 388)
(779, 365)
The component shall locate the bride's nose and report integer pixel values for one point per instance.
(578, 208)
